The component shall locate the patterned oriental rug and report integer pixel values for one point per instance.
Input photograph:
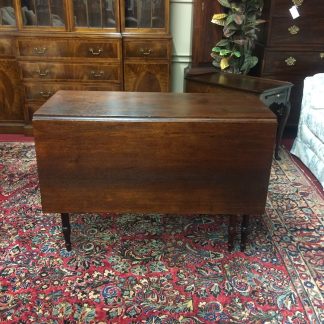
(159, 268)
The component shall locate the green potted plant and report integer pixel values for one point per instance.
(240, 20)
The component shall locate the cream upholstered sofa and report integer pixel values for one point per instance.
(309, 143)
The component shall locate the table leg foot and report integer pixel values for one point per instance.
(231, 232)
(66, 229)
(244, 231)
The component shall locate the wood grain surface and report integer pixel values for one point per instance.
(146, 152)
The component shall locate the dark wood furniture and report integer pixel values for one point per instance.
(274, 94)
(46, 46)
(148, 152)
(294, 48)
(288, 49)
(204, 34)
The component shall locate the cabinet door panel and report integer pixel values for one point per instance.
(48, 13)
(149, 77)
(144, 14)
(7, 13)
(95, 13)
(7, 47)
(11, 99)
(30, 108)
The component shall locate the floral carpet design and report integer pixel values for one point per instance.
(155, 268)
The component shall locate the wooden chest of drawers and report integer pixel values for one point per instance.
(46, 46)
(294, 48)
(61, 63)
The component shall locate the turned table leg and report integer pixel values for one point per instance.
(66, 228)
(231, 232)
(244, 231)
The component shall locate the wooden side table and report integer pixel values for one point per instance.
(273, 93)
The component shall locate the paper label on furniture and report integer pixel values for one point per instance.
(294, 12)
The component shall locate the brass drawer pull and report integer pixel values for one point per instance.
(91, 50)
(290, 61)
(39, 50)
(45, 94)
(146, 51)
(42, 74)
(98, 74)
(322, 55)
(293, 30)
(297, 3)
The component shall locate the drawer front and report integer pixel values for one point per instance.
(44, 90)
(157, 49)
(7, 47)
(295, 95)
(45, 70)
(279, 97)
(295, 32)
(97, 49)
(307, 8)
(292, 62)
(93, 72)
(84, 72)
(44, 47)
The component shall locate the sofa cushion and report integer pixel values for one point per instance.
(315, 122)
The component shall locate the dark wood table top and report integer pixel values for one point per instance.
(148, 105)
(236, 81)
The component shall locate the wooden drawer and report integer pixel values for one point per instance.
(295, 95)
(44, 90)
(156, 49)
(97, 49)
(307, 8)
(60, 71)
(60, 48)
(293, 62)
(7, 47)
(44, 47)
(304, 30)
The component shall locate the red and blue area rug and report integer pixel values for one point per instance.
(159, 268)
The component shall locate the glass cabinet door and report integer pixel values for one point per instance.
(43, 13)
(95, 13)
(7, 13)
(145, 14)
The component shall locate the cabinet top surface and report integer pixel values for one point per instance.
(239, 82)
(149, 105)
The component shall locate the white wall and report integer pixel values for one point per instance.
(181, 30)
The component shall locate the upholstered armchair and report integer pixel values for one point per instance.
(309, 143)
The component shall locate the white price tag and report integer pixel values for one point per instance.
(294, 12)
